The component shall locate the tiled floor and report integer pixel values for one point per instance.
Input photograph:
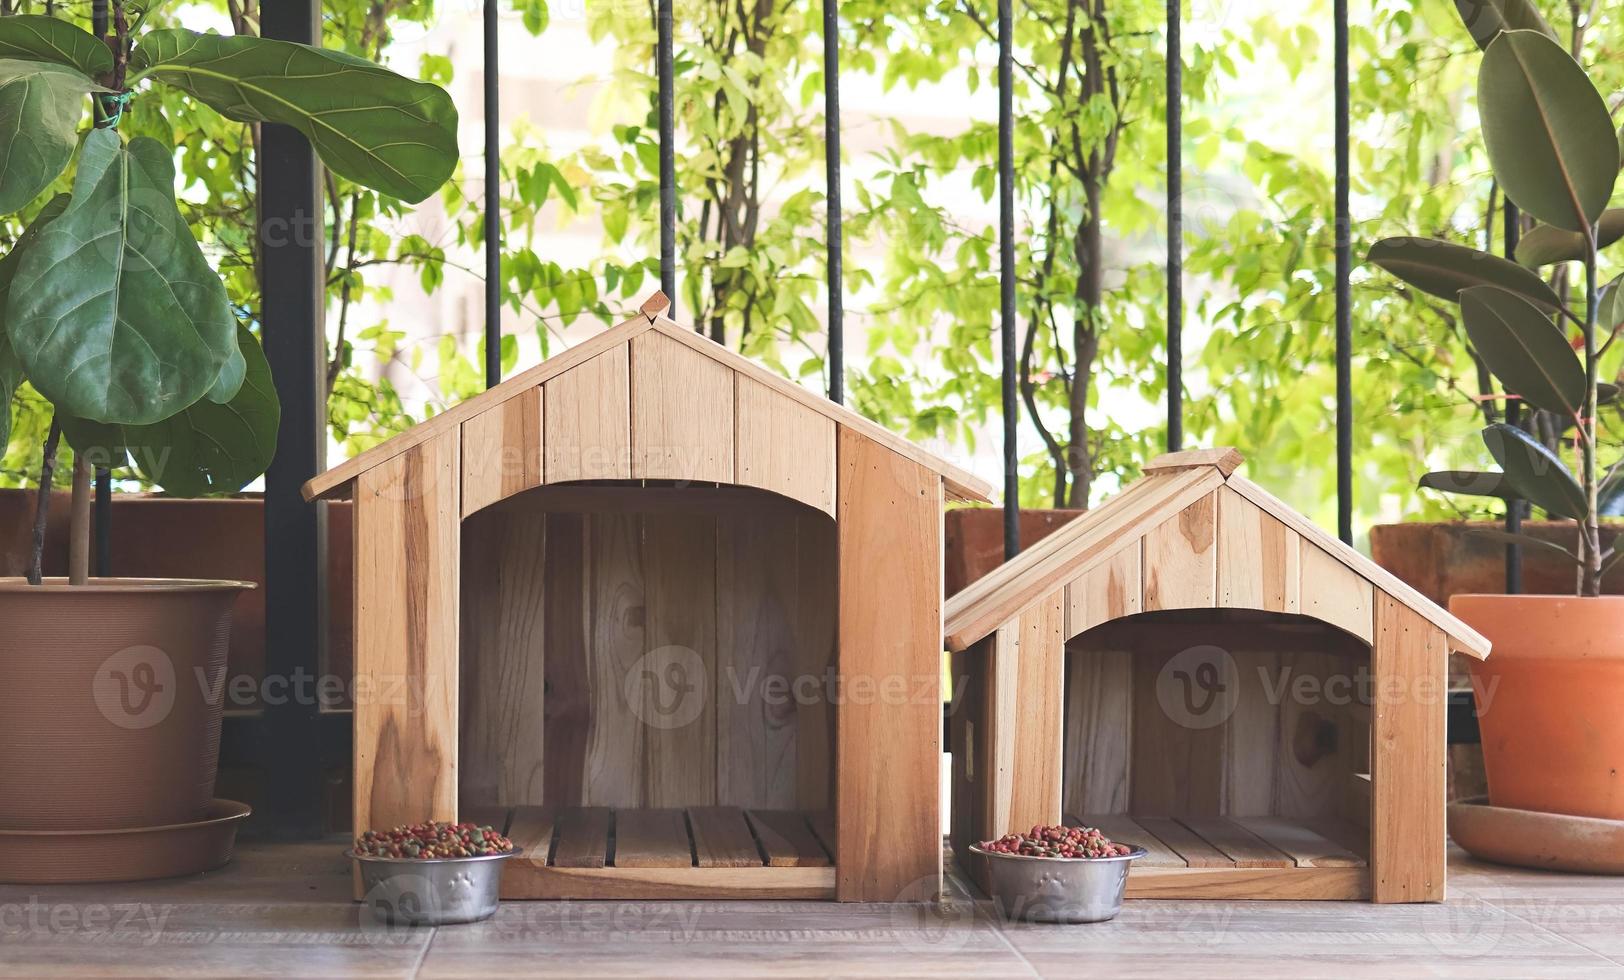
(283, 910)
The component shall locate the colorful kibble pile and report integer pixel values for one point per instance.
(1057, 842)
(432, 839)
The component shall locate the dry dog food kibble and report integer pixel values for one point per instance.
(432, 839)
(1061, 842)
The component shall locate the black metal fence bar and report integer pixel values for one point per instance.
(104, 478)
(493, 198)
(1344, 293)
(1175, 229)
(1514, 508)
(835, 263)
(668, 167)
(290, 228)
(1006, 275)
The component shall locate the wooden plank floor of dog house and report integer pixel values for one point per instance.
(583, 838)
(1227, 842)
(722, 838)
(1120, 827)
(652, 839)
(787, 839)
(1307, 848)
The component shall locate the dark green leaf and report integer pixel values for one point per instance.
(1538, 475)
(11, 367)
(210, 447)
(369, 124)
(1468, 482)
(1524, 349)
(1443, 269)
(115, 313)
(1485, 19)
(40, 108)
(229, 379)
(1549, 136)
(1610, 494)
(34, 37)
(101, 443)
(1546, 244)
(1527, 540)
(1610, 306)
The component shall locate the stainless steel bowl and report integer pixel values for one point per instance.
(431, 891)
(1055, 889)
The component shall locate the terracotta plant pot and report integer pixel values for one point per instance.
(110, 704)
(1550, 701)
(974, 541)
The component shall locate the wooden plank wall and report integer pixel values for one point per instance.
(1407, 765)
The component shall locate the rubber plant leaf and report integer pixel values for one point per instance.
(1545, 244)
(1549, 136)
(11, 368)
(212, 447)
(1511, 537)
(1485, 19)
(1443, 269)
(1524, 349)
(115, 313)
(35, 37)
(367, 123)
(1610, 493)
(1538, 475)
(1469, 482)
(1610, 306)
(41, 105)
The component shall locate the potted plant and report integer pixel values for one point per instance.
(111, 310)
(1548, 697)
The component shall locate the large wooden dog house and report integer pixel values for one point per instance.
(674, 621)
(1195, 667)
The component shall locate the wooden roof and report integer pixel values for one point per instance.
(1172, 485)
(960, 484)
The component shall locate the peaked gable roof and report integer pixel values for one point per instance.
(960, 484)
(1171, 484)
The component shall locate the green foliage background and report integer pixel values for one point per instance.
(921, 323)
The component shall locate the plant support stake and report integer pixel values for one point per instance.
(831, 157)
(1175, 230)
(1344, 294)
(493, 200)
(1006, 274)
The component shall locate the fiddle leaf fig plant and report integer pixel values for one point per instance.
(109, 307)
(1554, 151)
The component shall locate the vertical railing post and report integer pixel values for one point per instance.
(293, 278)
(1344, 294)
(104, 478)
(1514, 507)
(1175, 229)
(668, 166)
(1006, 275)
(493, 199)
(835, 263)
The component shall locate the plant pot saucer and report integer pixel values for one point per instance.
(54, 857)
(1531, 839)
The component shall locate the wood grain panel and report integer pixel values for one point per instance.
(583, 838)
(586, 421)
(722, 838)
(1313, 745)
(682, 412)
(1252, 733)
(501, 451)
(1194, 850)
(784, 446)
(1257, 557)
(678, 674)
(1099, 723)
(1179, 712)
(531, 831)
(528, 882)
(568, 711)
(889, 747)
(407, 555)
(1307, 848)
(1109, 591)
(786, 839)
(503, 682)
(1125, 830)
(757, 600)
(1180, 563)
(1407, 765)
(819, 568)
(1243, 847)
(617, 641)
(1029, 680)
(652, 839)
(1336, 594)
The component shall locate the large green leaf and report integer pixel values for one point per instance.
(1524, 349)
(229, 379)
(368, 124)
(1610, 306)
(1537, 473)
(1546, 244)
(40, 108)
(11, 367)
(35, 37)
(212, 447)
(1485, 19)
(1610, 494)
(115, 312)
(1468, 482)
(1549, 136)
(1443, 269)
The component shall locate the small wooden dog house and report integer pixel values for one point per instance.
(672, 621)
(1195, 667)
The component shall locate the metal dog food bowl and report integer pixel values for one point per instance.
(431, 891)
(1057, 889)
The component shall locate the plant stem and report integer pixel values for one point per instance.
(42, 507)
(1590, 530)
(79, 523)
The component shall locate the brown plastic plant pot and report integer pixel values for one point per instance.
(56, 857)
(110, 698)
